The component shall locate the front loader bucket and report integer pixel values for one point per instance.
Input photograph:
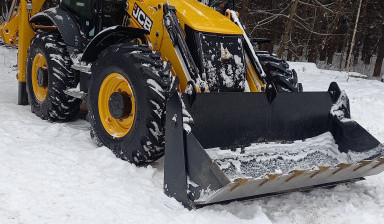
(245, 145)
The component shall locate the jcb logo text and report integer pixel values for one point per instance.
(142, 18)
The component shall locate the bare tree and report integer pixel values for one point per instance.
(380, 54)
(353, 37)
(288, 28)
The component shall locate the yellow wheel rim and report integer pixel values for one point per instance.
(116, 83)
(40, 91)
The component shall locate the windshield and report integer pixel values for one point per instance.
(219, 5)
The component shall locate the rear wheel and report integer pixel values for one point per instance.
(278, 73)
(126, 101)
(49, 73)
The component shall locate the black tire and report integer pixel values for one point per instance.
(278, 72)
(57, 106)
(145, 141)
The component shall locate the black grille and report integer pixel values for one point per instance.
(220, 60)
(223, 62)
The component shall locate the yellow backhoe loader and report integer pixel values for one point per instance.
(176, 77)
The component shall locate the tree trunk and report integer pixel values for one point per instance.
(289, 56)
(380, 55)
(244, 11)
(345, 45)
(288, 28)
(308, 45)
(312, 50)
(378, 64)
(353, 37)
(274, 31)
(365, 23)
(331, 48)
(323, 54)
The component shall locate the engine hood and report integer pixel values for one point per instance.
(203, 18)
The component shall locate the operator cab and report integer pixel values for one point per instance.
(95, 15)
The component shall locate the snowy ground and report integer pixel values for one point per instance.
(54, 173)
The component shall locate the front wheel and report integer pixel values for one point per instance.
(126, 101)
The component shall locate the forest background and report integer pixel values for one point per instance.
(320, 31)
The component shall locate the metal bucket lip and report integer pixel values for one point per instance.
(281, 183)
(319, 175)
(259, 159)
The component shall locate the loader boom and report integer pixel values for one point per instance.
(17, 31)
(167, 33)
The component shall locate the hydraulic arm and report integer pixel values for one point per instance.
(17, 31)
